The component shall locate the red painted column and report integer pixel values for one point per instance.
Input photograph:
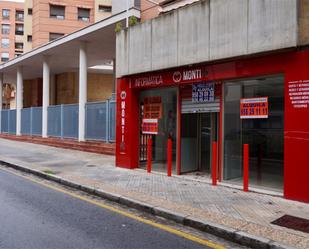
(149, 155)
(246, 167)
(169, 157)
(127, 125)
(179, 133)
(214, 163)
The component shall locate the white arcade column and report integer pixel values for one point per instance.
(46, 81)
(19, 99)
(82, 90)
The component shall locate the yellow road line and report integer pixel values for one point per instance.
(129, 215)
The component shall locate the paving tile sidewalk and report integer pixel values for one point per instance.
(247, 212)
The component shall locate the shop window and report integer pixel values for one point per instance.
(30, 11)
(260, 127)
(5, 57)
(105, 8)
(19, 29)
(5, 14)
(57, 11)
(83, 14)
(160, 106)
(29, 38)
(19, 15)
(54, 36)
(5, 43)
(5, 29)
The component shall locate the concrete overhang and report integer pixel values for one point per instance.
(63, 53)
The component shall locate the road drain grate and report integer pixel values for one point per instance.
(293, 222)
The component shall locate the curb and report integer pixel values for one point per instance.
(224, 232)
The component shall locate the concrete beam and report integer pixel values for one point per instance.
(193, 34)
(206, 31)
(228, 28)
(140, 49)
(122, 53)
(164, 45)
(272, 25)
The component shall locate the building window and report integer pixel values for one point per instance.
(30, 11)
(84, 14)
(54, 36)
(137, 4)
(5, 57)
(57, 11)
(5, 43)
(5, 14)
(5, 29)
(29, 38)
(19, 45)
(105, 8)
(19, 15)
(19, 29)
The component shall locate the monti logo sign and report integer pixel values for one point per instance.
(187, 75)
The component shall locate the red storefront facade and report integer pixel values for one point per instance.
(292, 68)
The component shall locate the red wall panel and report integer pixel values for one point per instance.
(293, 65)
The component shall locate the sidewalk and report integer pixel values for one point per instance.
(244, 212)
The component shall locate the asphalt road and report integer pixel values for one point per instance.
(34, 216)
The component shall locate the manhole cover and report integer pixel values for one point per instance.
(293, 222)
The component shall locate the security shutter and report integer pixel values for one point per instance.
(187, 106)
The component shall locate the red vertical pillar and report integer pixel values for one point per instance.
(127, 125)
(169, 157)
(178, 139)
(214, 163)
(149, 155)
(246, 167)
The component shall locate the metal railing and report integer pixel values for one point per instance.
(31, 121)
(63, 121)
(100, 121)
(8, 121)
(112, 121)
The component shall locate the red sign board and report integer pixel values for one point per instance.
(186, 75)
(251, 108)
(153, 107)
(150, 126)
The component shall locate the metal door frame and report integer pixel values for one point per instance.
(213, 134)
